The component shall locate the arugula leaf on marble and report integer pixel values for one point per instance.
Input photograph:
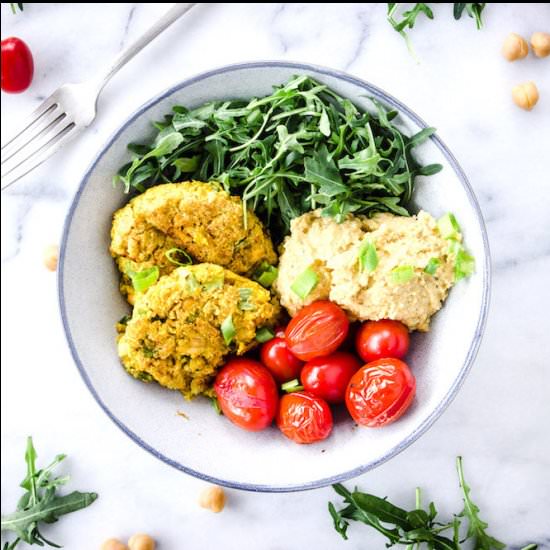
(300, 148)
(40, 503)
(411, 528)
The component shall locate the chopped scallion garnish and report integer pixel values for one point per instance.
(172, 256)
(214, 284)
(292, 386)
(368, 258)
(401, 274)
(305, 283)
(142, 280)
(464, 264)
(266, 274)
(244, 299)
(448, 226)
(228, 329)
(432, 265)
(264, 334)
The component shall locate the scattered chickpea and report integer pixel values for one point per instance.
(51, 255)
(213, 498)
(514, 47)
(540, 42)
(141, 542)
(525, 95)
(113, 544)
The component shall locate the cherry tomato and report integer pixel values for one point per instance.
(280, 332)
(276, 356)
(304, 418)
(318, 329)
(380, 392)
(380, 339)
(247, 394)
(17, 65)
(328, 377)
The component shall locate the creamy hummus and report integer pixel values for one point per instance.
(406, 279)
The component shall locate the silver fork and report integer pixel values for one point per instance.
(68, 111)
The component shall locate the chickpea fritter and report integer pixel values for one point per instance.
(174, 336)
(199, 218)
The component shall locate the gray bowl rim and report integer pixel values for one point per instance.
(472, 351)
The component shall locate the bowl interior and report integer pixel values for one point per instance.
(208, 445)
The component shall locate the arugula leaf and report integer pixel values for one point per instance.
(476, 526)
(40, 503)
(473, 10)
(300, 148)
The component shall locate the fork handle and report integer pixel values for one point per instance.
(128, 53)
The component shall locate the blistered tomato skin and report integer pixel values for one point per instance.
(247, 394)
(280, 361)
(318, 329)
(379, 339)
(304, 418)
(380, 392)
(17, 65)
(328, 377)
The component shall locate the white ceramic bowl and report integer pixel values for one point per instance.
(207, 445)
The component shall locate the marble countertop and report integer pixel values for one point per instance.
(499, 421)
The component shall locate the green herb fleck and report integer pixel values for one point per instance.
(264, 334)
(228, 330)
(368, 258)
(215, 405)
(142, 280)
(432, 266)
(402, 274)
(178, 256)
(305, 283)
(465, 264)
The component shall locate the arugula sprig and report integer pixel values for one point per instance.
(419, 525)
(40, 503)
(473, 10)
(300, 148)
(15, 6)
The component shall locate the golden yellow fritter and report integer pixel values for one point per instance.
(199, 218)
(175, 333)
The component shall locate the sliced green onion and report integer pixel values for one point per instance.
(432, 265)
(228, 330)
(448, 226)
(292, 385)
(191, 282)
(465, 265)
(215, 405)
(213, 284)
(264, 334)
(305, 283)
(368, 258)
(266, 274)
(401, 274)
(142, 280)
(170, 255)
(244, 299)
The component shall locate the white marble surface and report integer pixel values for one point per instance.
(500, 419)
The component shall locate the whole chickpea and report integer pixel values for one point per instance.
(540, 42)
(51, 255)
(141, 542)
(213, 498)
(113, 544)
(514, 47)
(525, 95)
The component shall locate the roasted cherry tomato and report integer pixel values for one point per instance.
(279, 360)
(247, 394)
(328, 377)
(280, 332)
(17, 65)
(318, 329)
(380, 339)
(304, 418)
(380, 392)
